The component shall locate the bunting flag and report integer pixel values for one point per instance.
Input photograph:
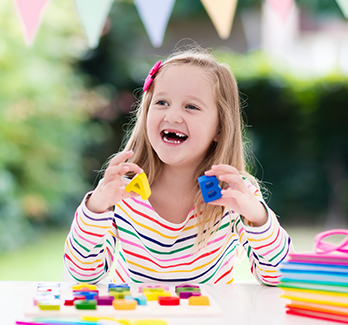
(93, 14)
(30, 14)
(155, 15)
(343, 4)
(282, 7)
(221, 13)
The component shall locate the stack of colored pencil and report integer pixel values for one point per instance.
(317, 286)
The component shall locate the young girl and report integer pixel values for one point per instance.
(188, 125)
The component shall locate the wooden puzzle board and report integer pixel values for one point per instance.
(151, 310)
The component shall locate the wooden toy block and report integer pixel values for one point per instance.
(79, 286)
(139, 184)
(164, 294)
(187, 289)
(169, 301)
(198, 301)
(49, 304)
(188, 294)
(119, 295)
(85, 304)
(210, 188)
(141, 287)
(69, 301)
(159, 289)
(122, 304)
(151, 296)
(123, 286)
(141, 300)
(90, 295)
(104, 300)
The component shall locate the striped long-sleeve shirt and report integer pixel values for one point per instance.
(152, 249)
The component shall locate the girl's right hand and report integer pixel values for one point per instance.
(111, 189)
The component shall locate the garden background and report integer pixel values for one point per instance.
(64, 109)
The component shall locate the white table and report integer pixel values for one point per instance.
(243, 303)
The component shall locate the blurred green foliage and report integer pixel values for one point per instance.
(63, 109)
(296, 124)
(44, 123)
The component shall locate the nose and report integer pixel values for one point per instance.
(173, 115)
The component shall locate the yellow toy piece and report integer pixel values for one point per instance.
(123, 304)
(84, 285)
(139, 184)
(126, 321)
(198, 301)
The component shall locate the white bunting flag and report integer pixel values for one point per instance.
(93, 14)
(155, 15)
(343, 4)
(221, 13)
(282, 7)
(30, 14)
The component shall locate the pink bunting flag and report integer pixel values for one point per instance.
(282, 7)
(30, 13)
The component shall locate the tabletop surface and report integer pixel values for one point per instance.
(242, 303)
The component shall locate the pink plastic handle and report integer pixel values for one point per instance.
(322, 247)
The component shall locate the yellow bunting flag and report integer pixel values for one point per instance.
(30, 14)
(221, 12)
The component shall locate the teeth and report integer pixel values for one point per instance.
(181, 135)
(171, 141)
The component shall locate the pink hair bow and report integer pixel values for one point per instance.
(149, 78)
(324, 247)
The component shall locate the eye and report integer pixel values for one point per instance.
(162, 103)
(192, 107)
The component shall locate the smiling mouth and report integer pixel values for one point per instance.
(173, 137)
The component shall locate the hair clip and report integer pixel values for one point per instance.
(149, 78)
(323, 247)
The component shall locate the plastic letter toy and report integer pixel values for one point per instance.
(139, 184)
(85, 304)
(169, 301)
(198, 301)
(122, 304)
(80, 286)
(49, 304)
(210, 188)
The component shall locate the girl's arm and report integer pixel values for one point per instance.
(267, 244)
(90, 245)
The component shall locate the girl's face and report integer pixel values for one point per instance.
(182, 121)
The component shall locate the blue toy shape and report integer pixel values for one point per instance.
(210, 188)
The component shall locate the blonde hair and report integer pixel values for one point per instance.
(228, 150)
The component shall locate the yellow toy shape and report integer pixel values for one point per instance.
(139, 184)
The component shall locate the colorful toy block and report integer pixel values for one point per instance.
(49, 304)
(104, 300)
(141, 287)
(119, 286)
(198, 301)
(139, 184)
(85, 304)
(188, 294)
(80, 286)
(90, 295)
(169, 301)
(123, 304)
(119, 295)
(210, 188)
(141, 300)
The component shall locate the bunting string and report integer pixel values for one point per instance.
(155, 15)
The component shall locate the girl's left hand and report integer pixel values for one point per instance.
(237, 196)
